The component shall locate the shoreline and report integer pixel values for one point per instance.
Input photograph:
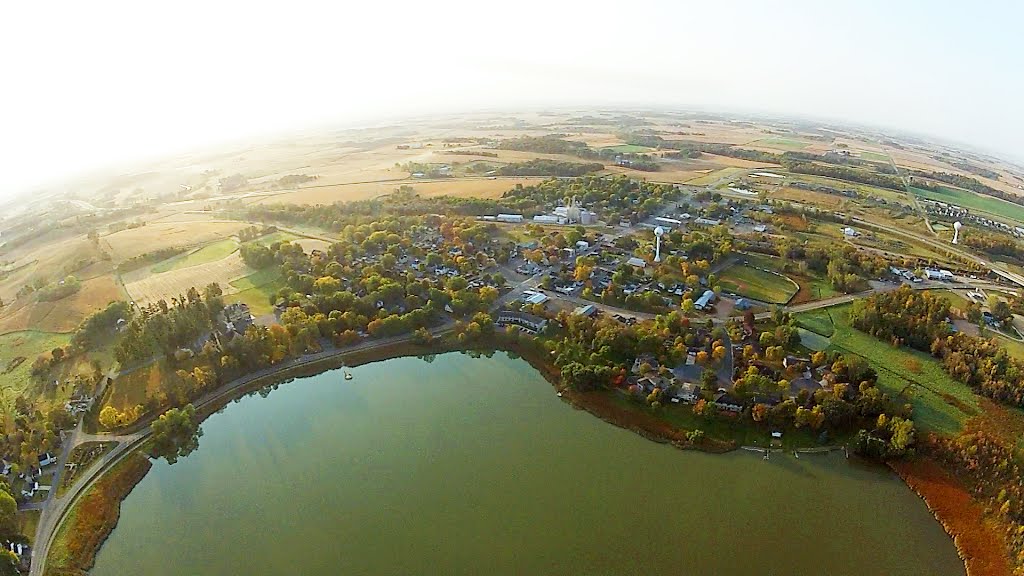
(960, 515)
(977, 561)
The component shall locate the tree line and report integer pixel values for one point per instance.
(919, 319)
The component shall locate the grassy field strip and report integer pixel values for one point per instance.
(206, 254)
(990, 205)
(941, 404)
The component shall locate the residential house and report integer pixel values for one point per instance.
(726, 401)
(528, 322)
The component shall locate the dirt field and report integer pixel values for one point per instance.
(129, 243)
(153, 287)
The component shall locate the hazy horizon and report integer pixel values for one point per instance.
(106, 86)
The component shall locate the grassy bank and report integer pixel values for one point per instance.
(93, 517)
(978, 542)
(941, 404)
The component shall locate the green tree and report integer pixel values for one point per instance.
(8, 514)
(176, 434)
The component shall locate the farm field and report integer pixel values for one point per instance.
(780, 143)
(62, 315)
(167, 285)
(134, 242)
(628, 149)
(208, 253)
(873, 156)
(750, 282)
(459, 187)
(715, 176)
(989, 204)
(810, 197)
(27, 344)
(941, 404)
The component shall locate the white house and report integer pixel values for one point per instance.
(636, 262)
(849, 232)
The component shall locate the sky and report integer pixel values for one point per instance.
(89, 85)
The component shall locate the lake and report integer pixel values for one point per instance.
(465, 465)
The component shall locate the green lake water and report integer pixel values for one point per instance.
(469, 465)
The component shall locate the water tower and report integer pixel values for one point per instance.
(658, 233)
(956, 232)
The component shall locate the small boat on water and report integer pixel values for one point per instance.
(348, 375)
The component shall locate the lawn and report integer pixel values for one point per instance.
(256, 289)
(966, 199)
(28, 520)
(941, 404)
(724, 427)
(204, 255)
(780, 143)
(758, 284)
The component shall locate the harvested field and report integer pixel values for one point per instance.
(708, 179)
(310, 244)
(463, 187)
(208, 253)
(820, 199)
(62, 315)
(129, 243)
(154, 287)
(779, 143)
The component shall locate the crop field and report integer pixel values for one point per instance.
(128, 243)
(208, 253)
(628, 149)
(941, 404)
(673, 176)
(461, 187)
(175, 283)
(975, 202)
(256, 290)
(62, 315)
(872, 156)
(750, 282)
(781, 143)
(809, 197)
(310, 244)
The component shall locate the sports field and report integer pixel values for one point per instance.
(750, 282)
(976, 202)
